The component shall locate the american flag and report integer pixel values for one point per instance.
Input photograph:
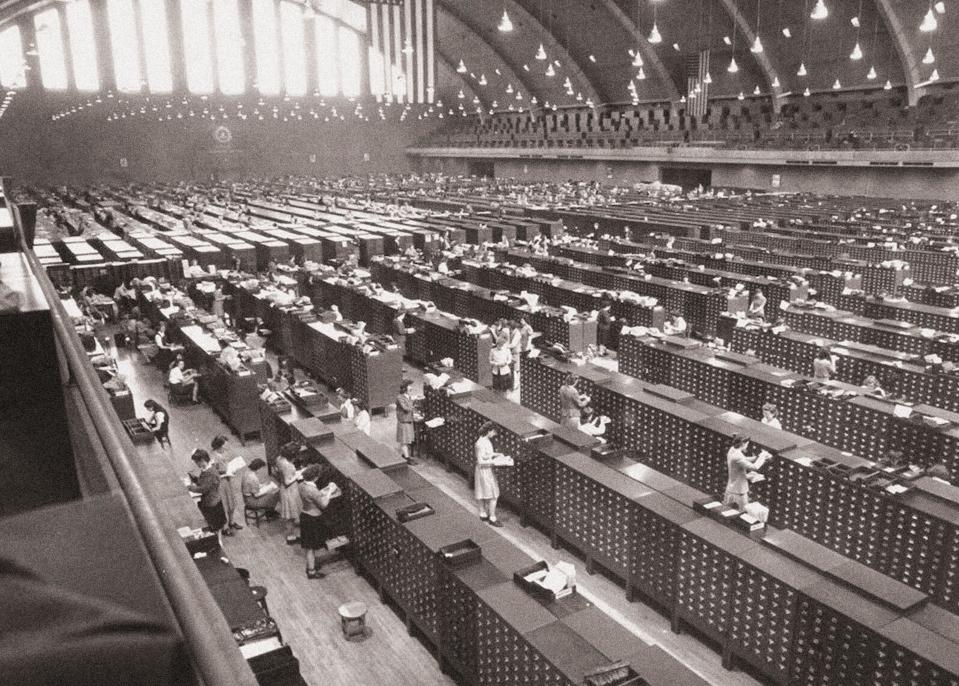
(697, 90)
(402, 35)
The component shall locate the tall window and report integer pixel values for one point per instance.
(326, 55)
(267, 50)
(294, 58)
(196, 46)
(12, 74)
(350, 62)
(82, 46)
(229, 47)
(123, 39)
(53, 70)
(156, 45)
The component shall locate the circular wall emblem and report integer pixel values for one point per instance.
(222, 134)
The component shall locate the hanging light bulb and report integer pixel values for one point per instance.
(787, 33)
(887, 86)
(682, 99)
(727, 40)
(802, 69)
(934, 76)
(855, 22)
(856, 53)
(592, 58)
(806, 92)
(637, 59)
(567, 83)
(775, 83)
(871, 75)
(756, 90)
(509, 88)
(741, 96)
(519, 95)
(654, 36)
(549, 70)
(708, 78)
(733, 67)
(482, 80)
(929, 22)
(632, 86)
(928, 58)
(533, 100)
(641, 76)
(461, 68)
(757, 46)
(836, 86)
(541, 53)
(697, 88)
(820, 11)
(461, 94)
(940, 7)
(692, 96)
(579, 97)
(505, 24)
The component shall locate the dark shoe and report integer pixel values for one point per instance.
(227, 532)
(234, 525)
(495, 522)
(412, 462)
(314, 574)
(292, 541)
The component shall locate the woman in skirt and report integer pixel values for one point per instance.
(405, 416)
(312, 530)
(290, 504)
(500, 360)
(485, 487)
(207, 484)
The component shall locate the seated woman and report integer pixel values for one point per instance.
(185, 378)
(871, 386)
(258, 495)
(592, 423)
(675, 325)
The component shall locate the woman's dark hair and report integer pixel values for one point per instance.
(200, 455)
(404, 384)
(218, 442)
(740, 440)
(311, 473)
(151, 404)
(823, 355)
(570, 379)
(487, 428)
(256, 463)
(290, 450)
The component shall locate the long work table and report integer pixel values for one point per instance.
(480, 624)
(779, 602)
(911, 537)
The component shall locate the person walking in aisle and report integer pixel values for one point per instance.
(485, 487)
(405, 416)
(218, 444)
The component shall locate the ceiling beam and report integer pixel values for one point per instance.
(509, 71)
(648, 52)
(564, 55)
(763, 58)
(907, 58)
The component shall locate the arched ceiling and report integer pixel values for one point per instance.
(589, 42)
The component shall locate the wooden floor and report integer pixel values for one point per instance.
(306, 611)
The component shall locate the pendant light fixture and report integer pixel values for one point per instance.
(741, 96)
(928, 58)
(802, 69)
(708, 78)
(482, 80)
(871, 75)
(757, 46)
(887, 86)
(856, 53)
(940, 7)
(806, 93)
(549, 70)
(775, 83)
(509, 88)
(787, 33)
(756, 90)
(733, 67)
(654, 35)
(461, 68)
(505, 24)
(820, 11)
(929, 22)
(836, 85)
(541, 53)
(637, 59)
(641, 75)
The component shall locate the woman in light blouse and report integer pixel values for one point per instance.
(312, 530)
(485, 487)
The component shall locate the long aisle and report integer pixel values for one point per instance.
(306, 611)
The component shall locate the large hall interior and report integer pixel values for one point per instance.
(479, 342)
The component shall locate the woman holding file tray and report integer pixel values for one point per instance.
(227, 469)
(485, 487)
(313, 533)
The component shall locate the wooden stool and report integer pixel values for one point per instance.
(353, 620)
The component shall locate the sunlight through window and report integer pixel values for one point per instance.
(53, 70)
(294, 62)
(123, 39)
(83, 49)
(229, 47)
(196, 46)
(156, 45)
(267, 50)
